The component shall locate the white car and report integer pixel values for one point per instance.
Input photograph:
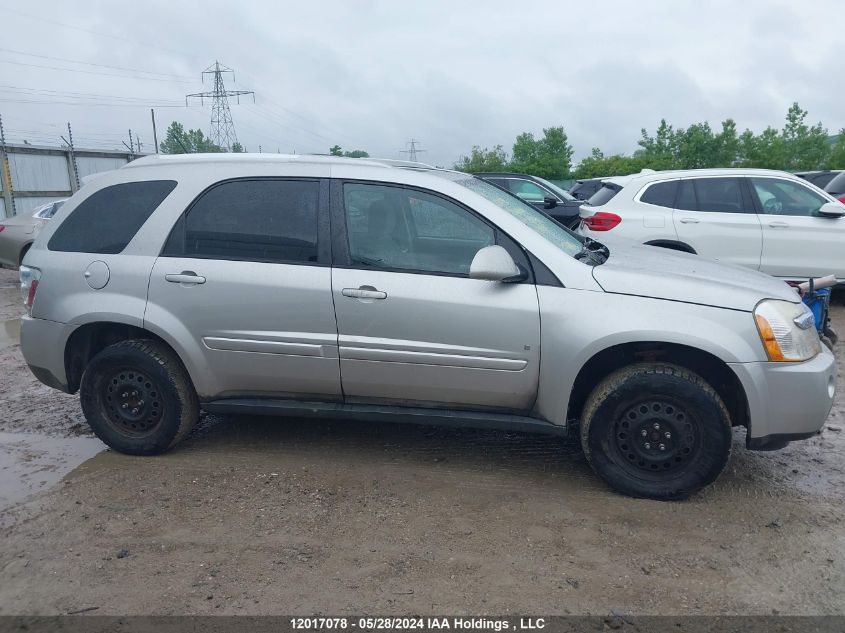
(766, 220)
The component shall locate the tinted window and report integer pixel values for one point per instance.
(686, 196)
(821, 180)
(396, 228)
(720, 195)
(108, 219)
(785, 197)
(254, 220)
(603, 195)
(661, 194)
(527, 190)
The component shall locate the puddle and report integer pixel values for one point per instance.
(10, 333)
(30, 463)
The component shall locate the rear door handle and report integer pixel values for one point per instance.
(689, 220)
(363, 293)
(779, 225)
(185, 277)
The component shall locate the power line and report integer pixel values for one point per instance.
(75, 95)
(222, 127)
(78, 61)
(93, 104)
(91, 72)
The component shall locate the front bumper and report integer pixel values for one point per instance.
(43, 346)
(787, 401)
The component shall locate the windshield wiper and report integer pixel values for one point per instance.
(593, 252)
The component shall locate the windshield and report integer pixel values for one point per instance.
(561, 193)
(525, 213)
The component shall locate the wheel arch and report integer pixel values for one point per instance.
(710, 367)
(89, 339)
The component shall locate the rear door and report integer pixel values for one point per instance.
(413, 327)
(244, 284)
(716, 217)
(797, 242)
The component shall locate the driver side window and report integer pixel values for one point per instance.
(527, 190)
(404, 229)
(784, 197)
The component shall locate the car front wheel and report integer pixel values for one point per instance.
(138, 398)
(656, 430)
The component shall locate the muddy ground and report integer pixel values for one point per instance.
(260, 516)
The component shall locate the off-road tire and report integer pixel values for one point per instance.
(634, 399)
(168, 406)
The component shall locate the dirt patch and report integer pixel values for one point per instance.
(258, 516)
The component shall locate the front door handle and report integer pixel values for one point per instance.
(185, 277)
(364, 292)
(689, 220)
(778, 225)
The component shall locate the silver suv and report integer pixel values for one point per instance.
(316, 286)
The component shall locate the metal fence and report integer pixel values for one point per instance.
(34, 175)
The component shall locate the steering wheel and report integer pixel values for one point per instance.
(773, 206)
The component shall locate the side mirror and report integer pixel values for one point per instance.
(549, 203)
(832, 210)
(494, 263)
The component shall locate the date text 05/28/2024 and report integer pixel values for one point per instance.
(415, 623)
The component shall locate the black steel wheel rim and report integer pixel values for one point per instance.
(655, 436)
(132, 402)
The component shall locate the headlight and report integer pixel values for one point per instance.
(788, 330)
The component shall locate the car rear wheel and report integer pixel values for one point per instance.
(137, 397)
(656, 430)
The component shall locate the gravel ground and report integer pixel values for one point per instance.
(261, 516)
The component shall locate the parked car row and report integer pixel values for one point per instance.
(359, 288)
(540, 193)
(774, 222)
(831, 181)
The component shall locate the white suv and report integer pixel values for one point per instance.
(770, 221)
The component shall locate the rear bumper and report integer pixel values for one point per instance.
(43, 344)
(787, 401)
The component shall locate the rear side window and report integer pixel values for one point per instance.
(107, 220)
(836, 186)
(251, 220)
(603, 195)
(721, 195)
(661, 194)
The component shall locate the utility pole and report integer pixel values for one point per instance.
(8, 190)
(130, 147)
(74, 168)
(155, 134)
(222, 127)
(412, 150)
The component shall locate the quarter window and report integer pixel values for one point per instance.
(404, 229)
(661, 194)
(784, 197)
(252, 220)
(107, 220)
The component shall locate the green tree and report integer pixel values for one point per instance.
(661, 150)
(237, 148)
(549, 157)
(804, 147)
(181, 141)
(836, 160)
(597, 165)
(483, 159)
(337, 150)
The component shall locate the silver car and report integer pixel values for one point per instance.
(321, 286)
(19, 232)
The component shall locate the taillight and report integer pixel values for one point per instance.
(601, 221)
(841, 199)
(2, 227)
(29, 285)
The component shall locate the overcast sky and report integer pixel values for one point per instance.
(373, 74)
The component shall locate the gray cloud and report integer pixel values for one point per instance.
(373, 74)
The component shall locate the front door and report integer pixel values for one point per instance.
(244, 287)
(717, 219)
(797, 242)
(413, 328)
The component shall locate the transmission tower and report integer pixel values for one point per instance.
(412, 150)
(222, 128)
